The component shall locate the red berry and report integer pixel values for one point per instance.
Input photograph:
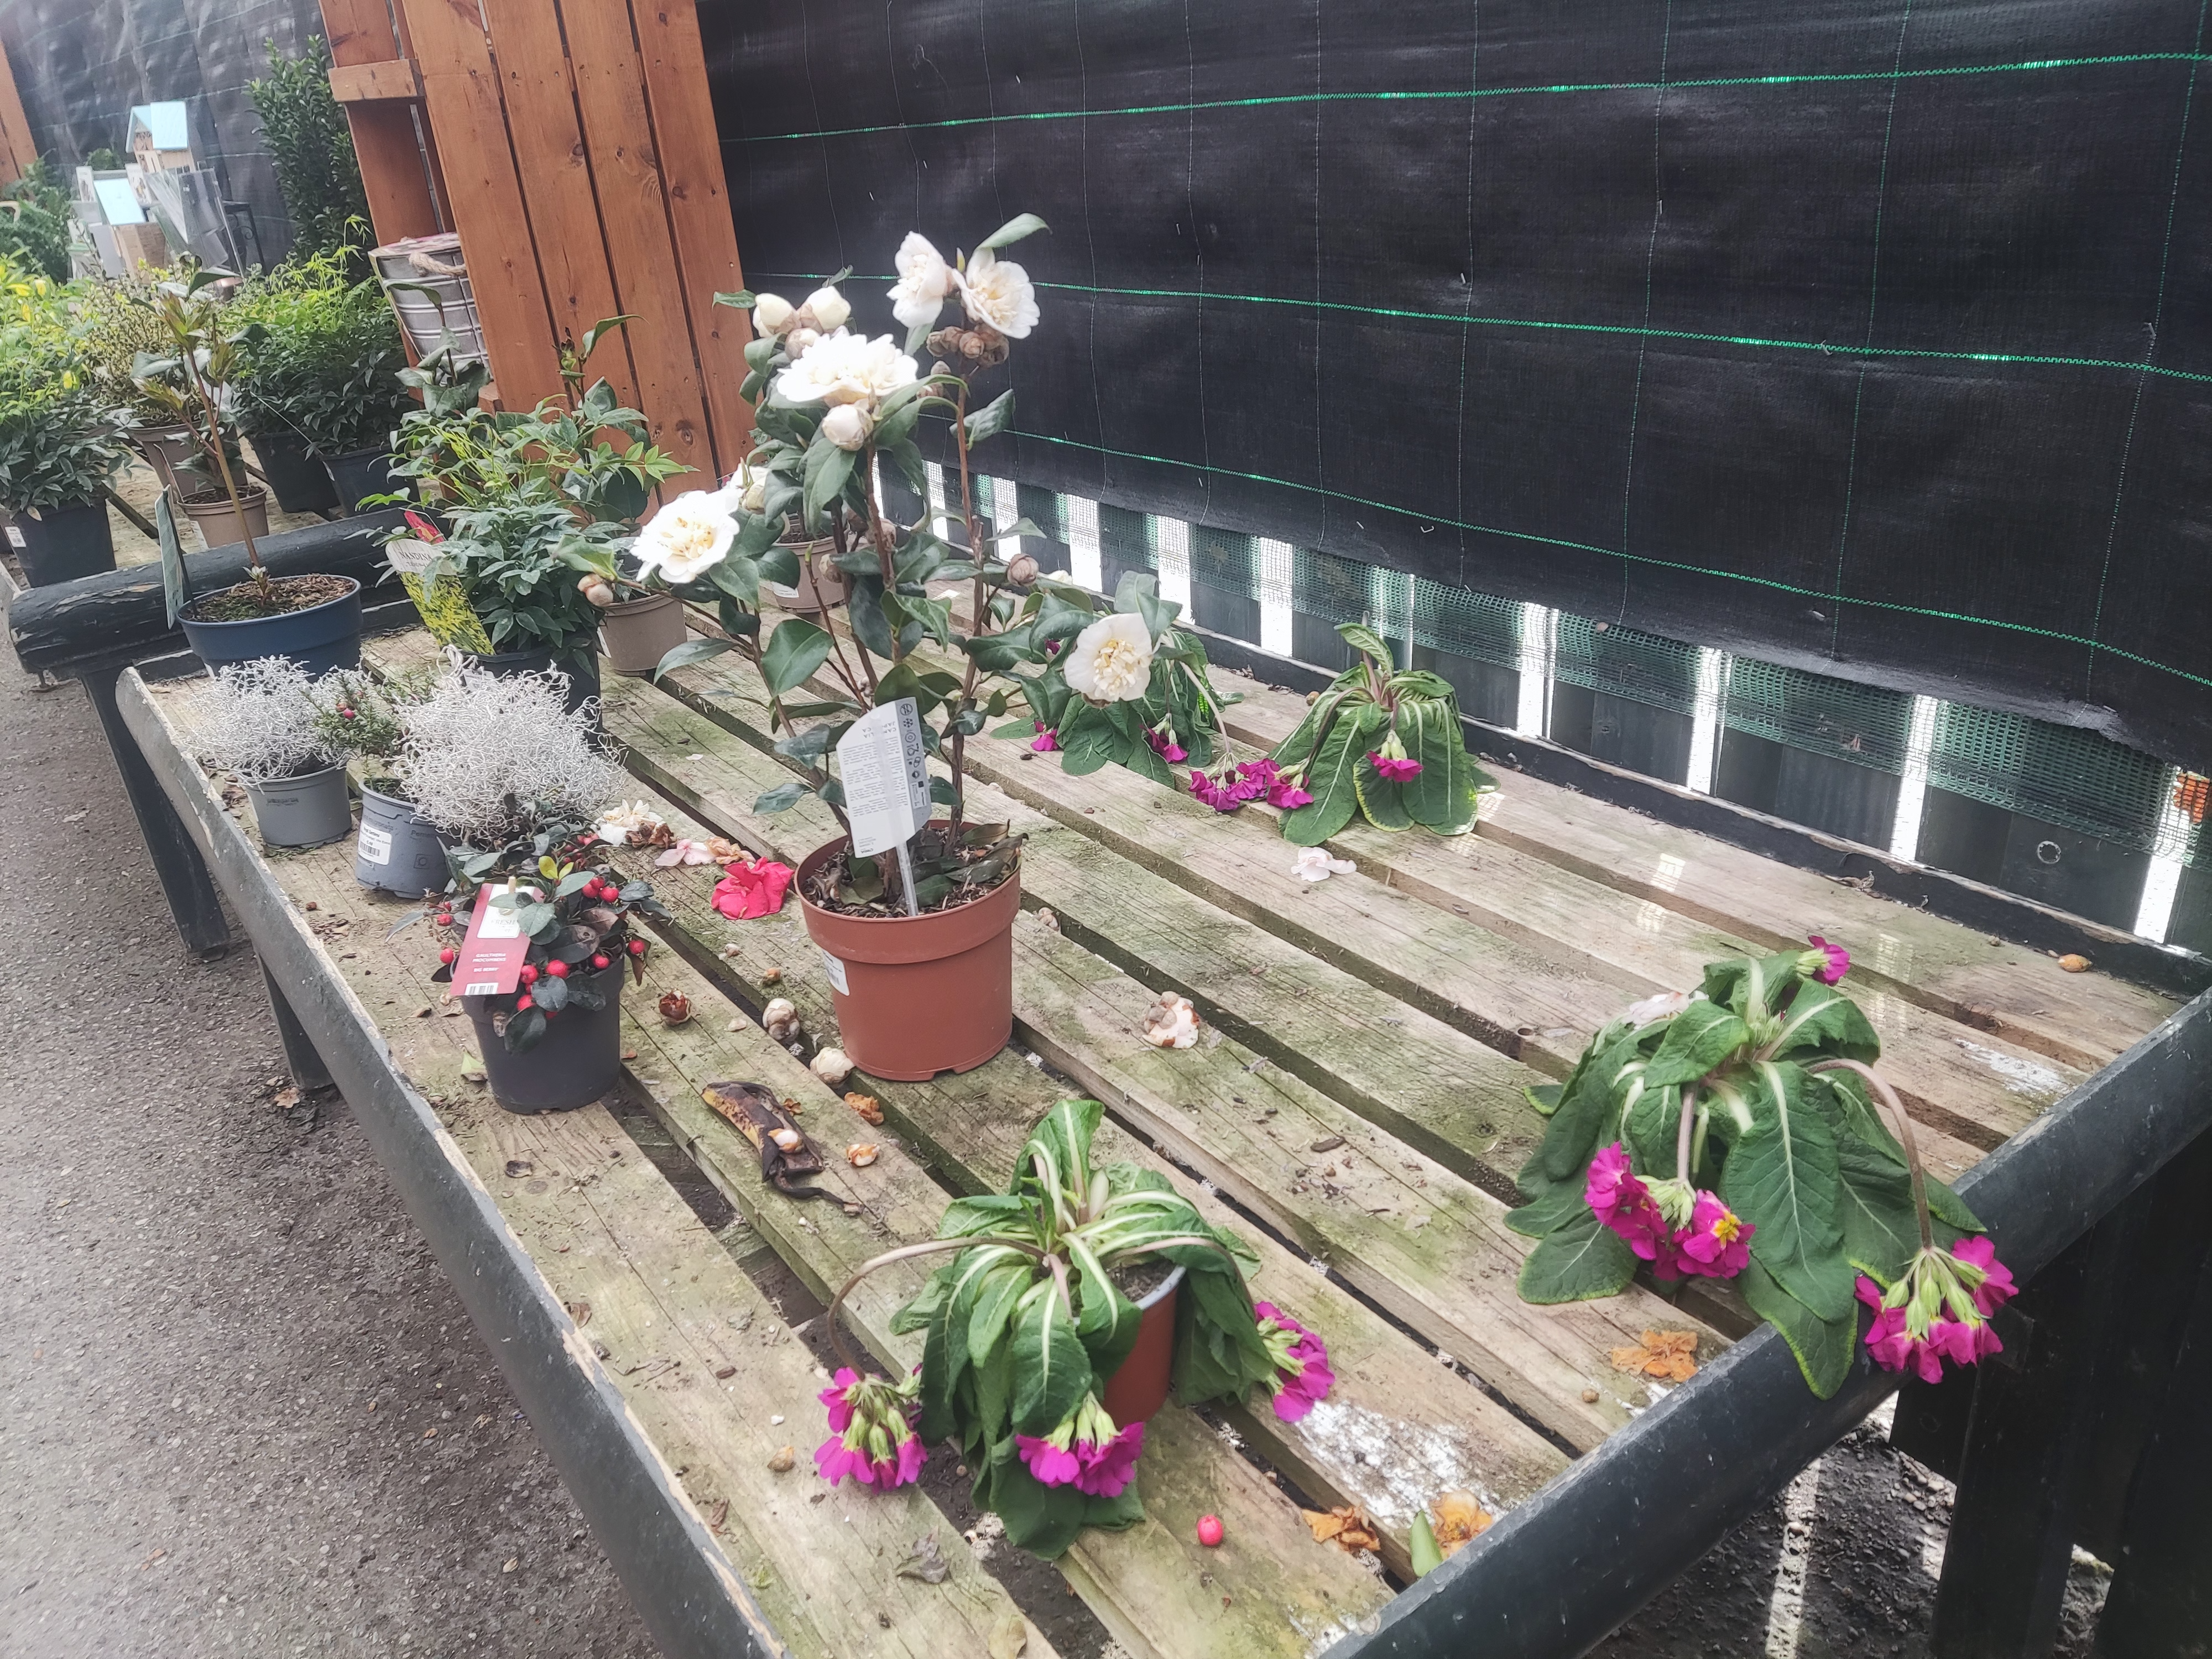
(522, 1002)
(599, 960)
(558, 970)
(447, 954)
(529, 975)
(1209, 1530)
(637, 947)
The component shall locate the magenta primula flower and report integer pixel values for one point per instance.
(1827, 963)
(1995, 1288)
(1938, 1309)
(872, 1436)
(1716, 1245)
(1086, 1451)
(1303, 1378)
(1625, 1206)
(1047, 738)
(1289, 793)
(1252, 779)
(1054, 1465)
(1394, 768)
(1108, 1466)
(1165, 746)
(1220, 796)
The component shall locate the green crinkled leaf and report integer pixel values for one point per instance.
(1051, 1371)
(1825, 1348)
(1442, 796)
(1698, 1039)
(1782, 1177)
(1333, 777)
(1360, 637)
(1579, 1262)
(1041, 1519)
(1553, 1206)
(1381, 800)
(1585, 1108)
(792, 654)
(1544, 1097)
(1089, 739)
(1874, 1205)
(1821, 1018)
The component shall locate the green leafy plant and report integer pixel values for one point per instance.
(35, 221)
(1384, 742)
(1734, 1133)
(115, 324)
(1029, 1321)
(103, 159)
(312, 146)
(325, 359)
(60, 441)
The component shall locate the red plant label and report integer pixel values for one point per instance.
(490, 963)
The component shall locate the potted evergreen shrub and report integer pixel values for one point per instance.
(514, 779)
(259, 719)
(1073, 1303)
(315, 619)
(311, 144)
(115, 325)
(60, 445)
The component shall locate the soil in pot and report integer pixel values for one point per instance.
(299, 479)
(916, 996)
(577, 1060)
(363, 472)
(220, 522)
(636, 633)
(308, 810)
(316, 622)
(60, 543)
(399, 850)
(1139, 1386)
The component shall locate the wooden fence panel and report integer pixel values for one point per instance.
(17, 152)
(392, 165)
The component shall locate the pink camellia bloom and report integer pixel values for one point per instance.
(747, 892)
(871, 1439)
(1303, 1378)
(1165, 746)
(1827, 963)
(1716, 1245)
(1046, 741)
(1625, 1206)
(1109, 1466)
(1394, 768)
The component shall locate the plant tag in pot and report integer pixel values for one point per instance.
(375, 844)
(886, 778)
(16, 537)
(490, 963)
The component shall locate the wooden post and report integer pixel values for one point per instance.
(17, 152)
(394, 172)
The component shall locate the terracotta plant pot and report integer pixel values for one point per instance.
(917, 995)
(575, 1062)
(638, 634)
(821, 584)
(219, 521)
(1139, 1386)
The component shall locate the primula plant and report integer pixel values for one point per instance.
(1736, 1132)
(1029, 1321)
(1382, 741)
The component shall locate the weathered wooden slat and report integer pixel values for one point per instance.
(2082, 1019)
(1405, 1231)
(395, 81)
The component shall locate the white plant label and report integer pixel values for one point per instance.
(16, 537)
(834, 967)
(411, 556)
(375, 845)
(886, 777)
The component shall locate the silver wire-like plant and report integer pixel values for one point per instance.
(489, 756)
(257, 719)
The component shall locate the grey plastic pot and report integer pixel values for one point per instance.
(319, 638)
(638, 634)
(310, 810)
(397, 850)
(166, 448)
(363, 472)
(60, 543)
(577, 1060)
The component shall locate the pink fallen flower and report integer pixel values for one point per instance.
(1165, 746)
(1624, 1205)
(1394, 768)
(1303, 1376)
(1047, 739)
(871, 1438)
(685, 852)
(1827, 963)
(747, 892)
(1716, 1245)
(1288, 794)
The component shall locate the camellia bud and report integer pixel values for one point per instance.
(799, 340)
(755, 496)
(848, 426)
(829, 309)
(773, 313)
(1021, 570)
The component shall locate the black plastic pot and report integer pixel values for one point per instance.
(397, 850)
(364, 472)
(301, 482)
(577, 1060)
(320, 638)
(61, 544)
(583, 682)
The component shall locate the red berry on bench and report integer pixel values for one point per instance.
(1209, 1530)
(447, 954)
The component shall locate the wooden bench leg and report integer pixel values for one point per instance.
(305, 1065)
(2019, 1481)
(2160, 1603)
(184, 877)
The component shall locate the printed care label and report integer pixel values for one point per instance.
(375, 845)
(886, 777)
(491, 958)
(834, 967)
(16, 537)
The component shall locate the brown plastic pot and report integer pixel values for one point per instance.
(636, 633)
(1139, 1386)
(917, 995)
(821, 584)
(219, 522)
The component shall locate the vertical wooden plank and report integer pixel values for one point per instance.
(428, 140)
(625, 168)
(706, 255)
(384, 140)
(17, 152)
(556, 179)
(460, 91)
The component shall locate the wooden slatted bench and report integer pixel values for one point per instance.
(1355, 1110)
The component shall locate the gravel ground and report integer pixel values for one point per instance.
(245, 1413)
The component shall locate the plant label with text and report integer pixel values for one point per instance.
(491, 957)
(886, 777)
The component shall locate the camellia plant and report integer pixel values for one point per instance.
(1382, 741)
(1736, 1132)
(1029, 1322)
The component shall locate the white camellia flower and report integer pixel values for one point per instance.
(1111, 660)
(924, 282)
(1313, 864)
(997, 292)
(848, 425)
(690, 536)
(847, 368)
(798, 342)
(829, 307)
(627, 819)
(773, 313)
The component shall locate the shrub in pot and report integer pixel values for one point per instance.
(60, 445)
(315, 619)
(360, 716)
(260, 720)
(926, 966)
(114, 326)
(1072, 1304)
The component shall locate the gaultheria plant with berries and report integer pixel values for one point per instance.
(1382, 741)
(1737, 1132)
(1027, 1321)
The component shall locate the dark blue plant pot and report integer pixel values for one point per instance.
(63, 542)
(583, 684)
(320, 638)
(364, 472)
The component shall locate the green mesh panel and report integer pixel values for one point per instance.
(2074, 779)
(1852, 722)
(1336, 589)
(1477, 626)
(1624, 662)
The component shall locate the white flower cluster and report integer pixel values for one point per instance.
(690, 536)
(852, 374)
(257, 719)
(991, 291)
(1111, 660)
(487, 754)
